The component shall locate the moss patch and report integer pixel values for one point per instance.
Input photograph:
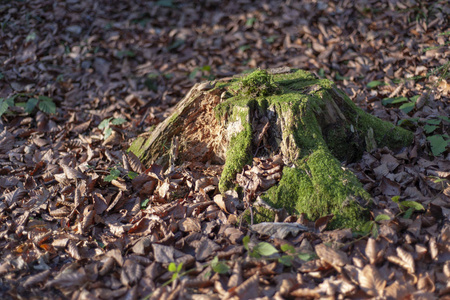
(239, 149)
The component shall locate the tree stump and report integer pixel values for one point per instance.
(308, 121)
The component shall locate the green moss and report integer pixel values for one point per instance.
(256, 84)
(239, 150)
(319, 186)
(139, 146)
(173, 118)
(385, 133)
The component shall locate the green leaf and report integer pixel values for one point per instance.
(132, 175)
(145, 203)
(107, 132)
(306, 256)
(104, 123)
(221, 268)
(115, 172)
(172, 267)
(286, 260)
(193, 73)
(126, 53)
(447, 119)
(407, 107)
(109, 178)
(430, 128)
(45, 98)
(415, 98)
(30, 37)
(265, 249)
(382, 217)
(244, 48)
(179, 267)
(433, 121)
(438, 144)
(177, 43)
(206, 68)
(3, 106)
(250, 22)
(245, 242)
(367, 227)
(412, 204)
(321, 73)
(31, 104)
(408, 213)
(375, 231)
(47, 106)
(118, 121)
(1, 76)
(218, 266)
(165, 3)
(388, 101)
(288, 248)
(374, 84)
(395, 199)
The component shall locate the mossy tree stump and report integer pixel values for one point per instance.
(309, 121)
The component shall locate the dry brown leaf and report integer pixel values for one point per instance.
(131, 273)
(14, 196)
(371, 281)
(72, 173)
(190, 225)
(331, 256)
(36, 279)
(371, 250)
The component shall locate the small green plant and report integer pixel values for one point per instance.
(373, 84)
(43, 103)
(105, 125)
(219, 266)
(264, 249)
(175, 269)
(290, 254)
(145, 203)
(434, 130)
(407, 106)
(113, 175)
(407, 207)
(260, 249)
(250, 22)
(125, 53)
(204, 69)
(371, 228)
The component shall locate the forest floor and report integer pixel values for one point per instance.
(80, 218)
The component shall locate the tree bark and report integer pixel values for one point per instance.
(312, 124)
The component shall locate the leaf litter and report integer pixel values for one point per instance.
(82, 218)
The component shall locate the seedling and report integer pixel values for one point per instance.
(407, 207)
(44, 104)
(175, 269)
(106, 123)
(219, 266)
(113, 175)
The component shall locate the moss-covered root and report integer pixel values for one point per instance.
(319, 187)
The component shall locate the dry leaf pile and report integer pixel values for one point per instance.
(80, 218)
